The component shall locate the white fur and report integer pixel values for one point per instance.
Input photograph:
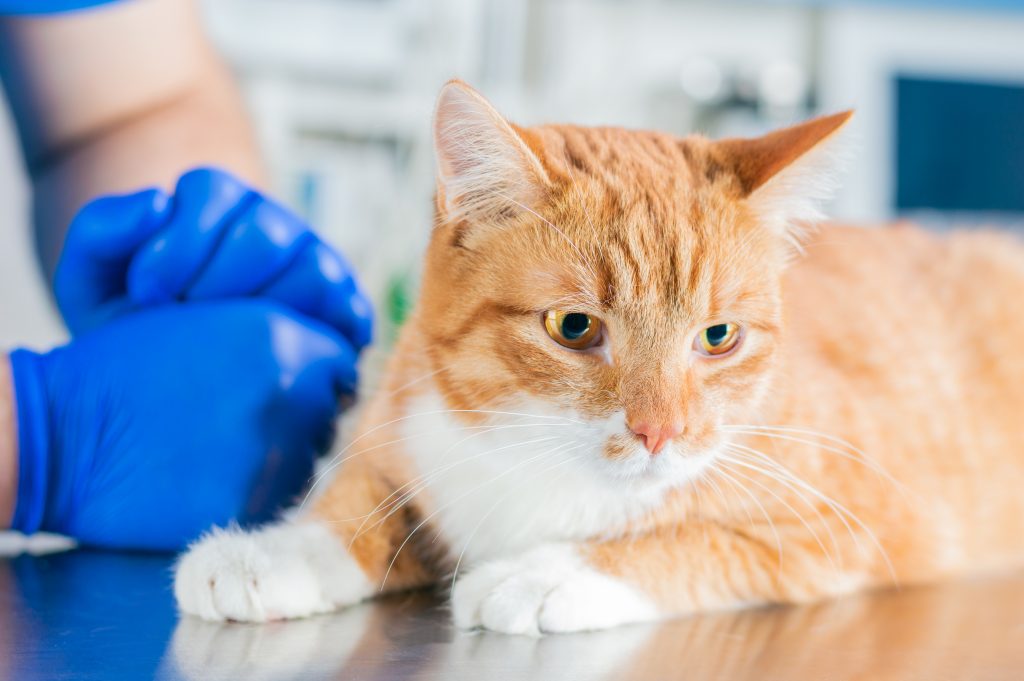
(278, 572)
(483, 167)
(792, 201)
(546, 590)
(532, 475)
(529, 477)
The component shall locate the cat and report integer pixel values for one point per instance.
(636, 385)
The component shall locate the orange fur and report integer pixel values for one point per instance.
(887, 344)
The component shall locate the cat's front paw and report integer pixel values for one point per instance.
(280, 572)
(546, 590)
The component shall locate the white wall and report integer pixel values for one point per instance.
(27, 316)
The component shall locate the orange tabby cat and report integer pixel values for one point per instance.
(625, 395)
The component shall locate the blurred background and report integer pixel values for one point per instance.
(341, 92)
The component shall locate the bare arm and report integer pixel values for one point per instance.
(117, 98)
(8, 444)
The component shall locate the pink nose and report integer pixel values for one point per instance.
(656, 436)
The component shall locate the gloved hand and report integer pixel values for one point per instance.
(150, 429)
(214, 238)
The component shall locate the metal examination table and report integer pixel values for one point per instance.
(93, 615)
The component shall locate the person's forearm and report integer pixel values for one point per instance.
(205, 127)
(115, 99)
(8, 444)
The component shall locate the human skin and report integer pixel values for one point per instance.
(8, 444)
(115, 98)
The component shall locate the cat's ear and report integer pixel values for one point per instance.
(786, 175)
(485, 170)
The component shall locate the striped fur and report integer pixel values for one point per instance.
(864, 433)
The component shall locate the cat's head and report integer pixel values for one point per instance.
(623, 283)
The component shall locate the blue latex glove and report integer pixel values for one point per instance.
(214, 238)
(150, 429)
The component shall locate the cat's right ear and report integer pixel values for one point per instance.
(485, 171)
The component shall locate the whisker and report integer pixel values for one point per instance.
(463, 496)
(735, 484)
(827, 553)
(781, 474)
(340, 459)
(780, 469)
(706, 479)
(476, 528)
(841, 512)
(855, 454)
(795, 429)
(424, 481)
(422, 477)
(700, 505)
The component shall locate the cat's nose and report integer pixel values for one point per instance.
(656, 436)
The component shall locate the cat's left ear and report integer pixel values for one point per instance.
(786, 175)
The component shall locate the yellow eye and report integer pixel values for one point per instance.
(717, 340)
(574, 330)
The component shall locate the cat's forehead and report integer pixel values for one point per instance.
(661, 192)
(644, 210)
(633, 166)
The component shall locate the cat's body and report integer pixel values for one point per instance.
(863, 430)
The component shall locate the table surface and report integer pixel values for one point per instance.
(92, 615)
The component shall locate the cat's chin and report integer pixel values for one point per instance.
(668, 470)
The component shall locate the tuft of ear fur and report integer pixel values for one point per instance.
(485, 170)
(787, 174)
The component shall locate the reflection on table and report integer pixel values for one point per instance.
(102, 615)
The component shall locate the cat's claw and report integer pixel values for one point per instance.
(281, 572)
(547, 590)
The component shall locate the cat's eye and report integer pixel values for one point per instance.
(717, 340)
(574, 330)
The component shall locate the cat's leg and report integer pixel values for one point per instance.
(673, 571)
(332, 556)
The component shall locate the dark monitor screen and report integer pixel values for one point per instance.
(959, 146)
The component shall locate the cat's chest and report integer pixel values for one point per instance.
(499, 489)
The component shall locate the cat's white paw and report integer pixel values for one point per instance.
(546, 590)
(279, 572)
